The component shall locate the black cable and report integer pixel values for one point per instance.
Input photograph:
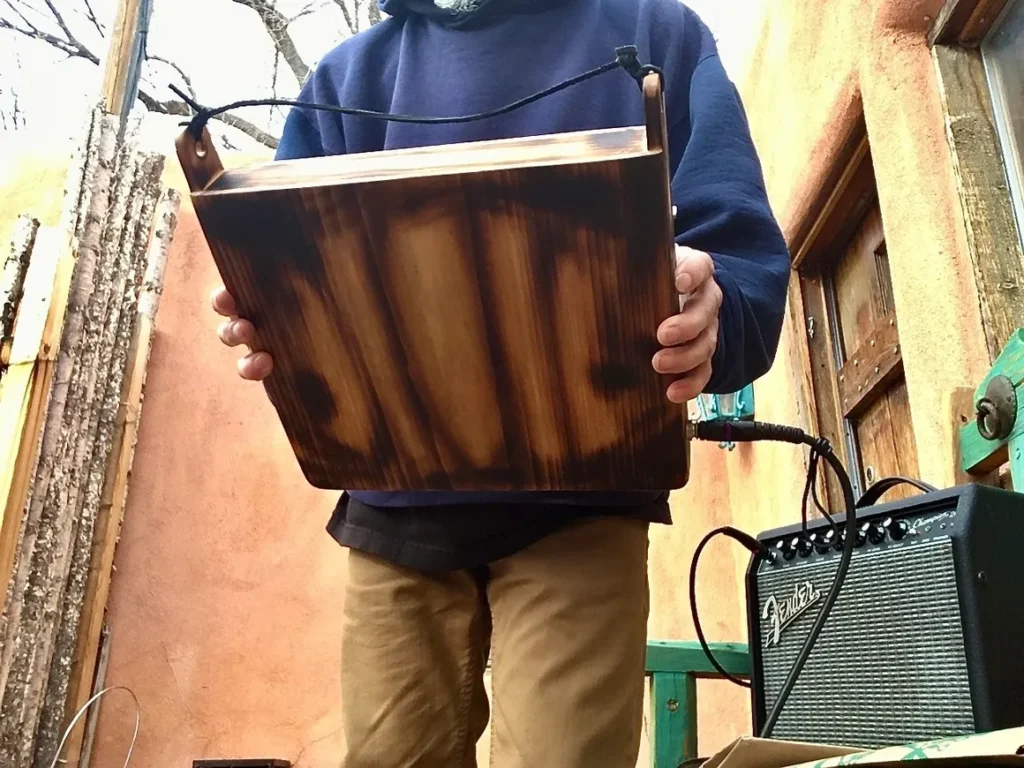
(821, 508)
(812, 471)
(874, 494)
(755, 548)
(625, 58)
(753, 431)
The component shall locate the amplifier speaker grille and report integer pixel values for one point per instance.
(898, 615)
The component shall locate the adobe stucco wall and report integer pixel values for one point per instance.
(820, 64)
(225, 607)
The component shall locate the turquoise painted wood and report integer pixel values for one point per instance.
(674, 704)
(674, 668)
(981, 455)
(688, 657)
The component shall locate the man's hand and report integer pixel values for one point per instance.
(691, 337)
(234, 332)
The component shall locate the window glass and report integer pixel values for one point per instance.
(1003, 50)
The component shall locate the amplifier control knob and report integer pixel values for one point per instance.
(822, 542)
(862, 535)
(840, 541)
(792, 548)
(876, 533)
(804, 547)
(788, 549)
(897, 528)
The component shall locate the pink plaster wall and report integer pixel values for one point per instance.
(224, 610)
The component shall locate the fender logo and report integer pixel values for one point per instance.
(781, 614)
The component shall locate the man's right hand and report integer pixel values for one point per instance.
(236, 331)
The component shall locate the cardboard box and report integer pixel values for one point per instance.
(1000, 748)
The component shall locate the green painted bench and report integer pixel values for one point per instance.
(674, 668)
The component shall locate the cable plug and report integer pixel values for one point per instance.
(735, 431)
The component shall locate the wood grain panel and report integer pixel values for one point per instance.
(826, 393)
(362, 167)
(474, 329)
(964, 22)
(871, 367)
(885, 435)
(992, 236)
(862, 283)
(849, 194)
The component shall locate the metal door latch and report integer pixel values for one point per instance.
(997, 410)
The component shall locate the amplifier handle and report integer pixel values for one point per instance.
(874, 494)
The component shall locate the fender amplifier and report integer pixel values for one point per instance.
(926, 639)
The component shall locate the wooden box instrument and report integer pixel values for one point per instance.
(479, 316)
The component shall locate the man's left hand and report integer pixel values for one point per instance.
(691, 337)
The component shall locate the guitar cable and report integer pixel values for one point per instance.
(729, 431)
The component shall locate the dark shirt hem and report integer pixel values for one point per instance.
(455, 537)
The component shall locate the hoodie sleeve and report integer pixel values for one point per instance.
(300, 138)
(718, 188)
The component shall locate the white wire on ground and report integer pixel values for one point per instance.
(84, 709)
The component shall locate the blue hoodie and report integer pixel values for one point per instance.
(429, 62)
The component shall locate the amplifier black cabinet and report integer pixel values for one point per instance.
(927, 637)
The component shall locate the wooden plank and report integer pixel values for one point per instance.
(964, 22)
(981, 456)
(87, 739)
(902, 425)
(823, 204)
(992, 235)
(25, 388)
(126, 240)
(117, 67)
(362, 167)
(847, 198)
(871, 368)
(33, 609)
(115, 489)
(861, 283)
(823, 375)
(12, 281)
(674, 710)
(686, 656)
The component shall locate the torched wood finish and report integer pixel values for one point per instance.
(469, 329)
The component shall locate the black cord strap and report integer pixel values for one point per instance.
(625, 58)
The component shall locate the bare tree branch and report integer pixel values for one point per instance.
(307, 10)
(352, 25)
(73, 49)
(91, 15)
(180, 108)
(18, 12)
(60, 20)
(276, 25)
(181, 73)
(47, 22)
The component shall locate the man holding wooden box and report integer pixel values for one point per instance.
(553, 585)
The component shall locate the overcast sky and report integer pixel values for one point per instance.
(223, 47)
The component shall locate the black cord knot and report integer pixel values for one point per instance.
(628, 57)
(202, 116)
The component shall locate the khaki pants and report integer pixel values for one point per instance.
(566, 620)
